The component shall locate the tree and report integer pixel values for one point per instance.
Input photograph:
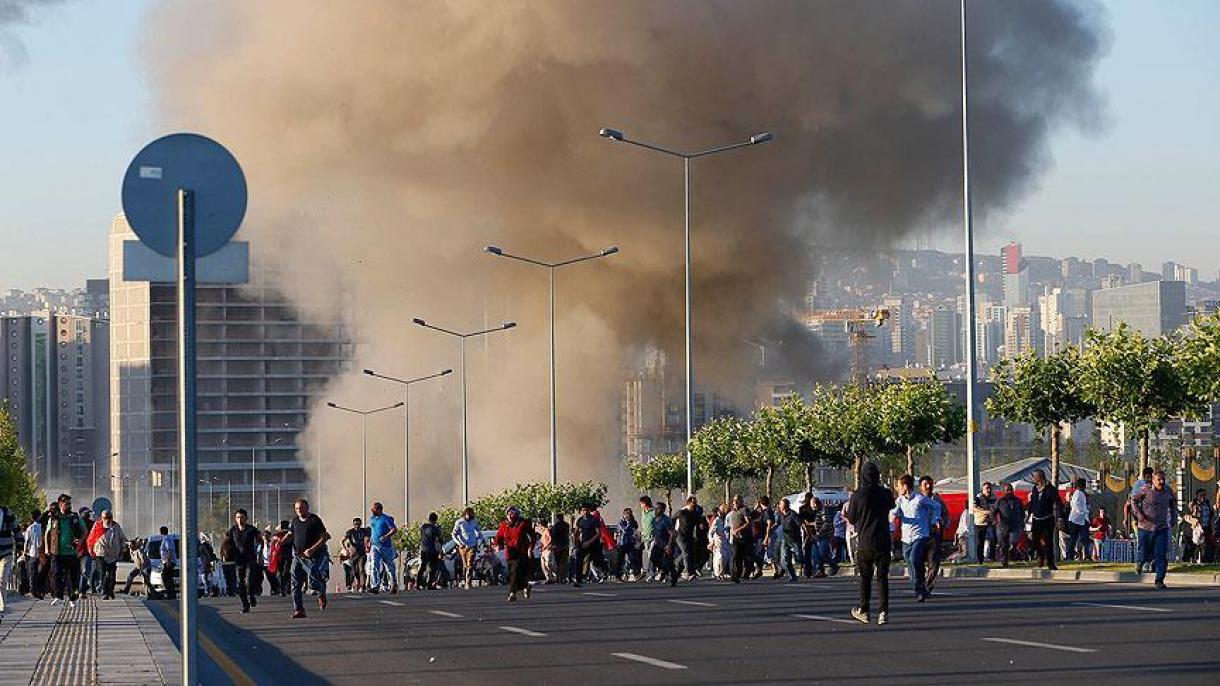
(1134, 381)
(18, 488)
(850, 426)
(1199, 358)
(1042, 391)
(914, 416)
(717, 448)
(773, 440)
(665, 472)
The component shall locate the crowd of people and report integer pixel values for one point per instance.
(66, 553)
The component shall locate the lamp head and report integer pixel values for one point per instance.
(369, 372)
(761, 137)
(399, 404)
(493, 250)
(419, 321)
(611, 133)
(509, 325)
(610, 251)
(446, 371)
(330, 404)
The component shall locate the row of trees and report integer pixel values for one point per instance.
(839, 426)
(1119, 377)
(18, 489)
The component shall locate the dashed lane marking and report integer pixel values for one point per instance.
(822, 618)
(649, 661)
(523, 632)
(395, 603)
(600, 595)
(1035, 644)
(1138, 608)
(693, 603)
(442, 613)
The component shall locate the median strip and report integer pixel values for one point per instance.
(1035, 644)
(649, 661)
(1139, 608)
(523, 632)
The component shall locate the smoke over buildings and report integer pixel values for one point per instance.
(387, 142)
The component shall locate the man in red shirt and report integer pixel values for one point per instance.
(1100, 526)
(516, 536)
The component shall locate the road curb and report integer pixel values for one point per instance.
(1100, 576)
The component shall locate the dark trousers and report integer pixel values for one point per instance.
(935, 553)
(662, 561)
(807, 555)
(67, 576)
(586, 556)
(138, 571)
(870, 563)
(168, 574)
(743, 558)
(109, 571)
(981, 534)
(230, 575)
(685, 562)
(561, 563)
(1006, 543)
(429, 566)
(1044, 539)
(242, 575)
(518, 572)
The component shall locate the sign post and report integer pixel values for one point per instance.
(160, 191)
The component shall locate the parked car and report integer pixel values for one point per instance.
(152, 551)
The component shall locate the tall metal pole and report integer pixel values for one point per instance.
(364, 462)
(690, 367)
(972, 467)
(554, 419)
(187, 467)
(319, 461)
(465, 452)
(252, 517)
(406, 452)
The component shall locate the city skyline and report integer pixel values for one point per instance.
(1131, 173)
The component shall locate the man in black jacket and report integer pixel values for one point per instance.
(1008, 516)
(869, 512)
(244, 541)
(1044, 509)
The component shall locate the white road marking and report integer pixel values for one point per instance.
(827, 619)
(442, 613)
(523, 632)
(1035, 644)
(951, 593)
(694, 603)
(390, 602)
(649, 661)
(600, 595)
(1140, 608)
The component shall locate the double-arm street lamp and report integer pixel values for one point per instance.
(686, 157)
(551, 267)
(364, 445)
(406, 438)
(462, 338)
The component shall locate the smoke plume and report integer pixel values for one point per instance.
(387, 142)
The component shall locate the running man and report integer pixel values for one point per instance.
(308, 537)
(686, 527)
(516, 536)
(588, 542)
(468, 535)
(790, 541)
(938, 532)
(381, 540)
(869, 512)
(63, 536)
(356, 542)
(915, 512)
(1156, 512)
(430, 544)
(245, 541)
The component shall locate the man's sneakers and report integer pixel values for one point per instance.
(883, 618)
(322, 601)
(298, 614)
(245, 609)
(527, 592)
(1160, 585)
(859, 615)
(54, 602)
(253, 601)
(71, 604)
(512, 597)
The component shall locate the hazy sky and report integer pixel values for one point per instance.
(74, 108)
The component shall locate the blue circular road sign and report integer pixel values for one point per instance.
(101, 505)
(191, 162)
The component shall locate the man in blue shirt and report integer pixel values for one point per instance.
(915, 513)
(381, 537)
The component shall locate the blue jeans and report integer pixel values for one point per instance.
(384, 560)
(821, 555)
(308, 570)
(915, 553)
(1154, 548)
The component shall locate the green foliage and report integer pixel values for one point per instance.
(1199, 358)
(18, 488)
(536, 501)
(717, 449)
(1040, 390)
(914, 416)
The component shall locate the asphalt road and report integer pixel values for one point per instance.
(719, 633)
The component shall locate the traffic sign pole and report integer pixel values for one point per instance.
(187, 464)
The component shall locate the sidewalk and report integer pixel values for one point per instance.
(97, 642)
(1078, 574)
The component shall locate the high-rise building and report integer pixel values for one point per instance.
(259, 366)
(944, 338)
(1153, 308)
(1021, 331)
(1135, 273)
(55, 371)
(1015, 276)
(901, 334)
(1169, 271)
(1063, 317)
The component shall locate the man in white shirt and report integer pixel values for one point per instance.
(915, 512)
(33, 556)
(1078, 522)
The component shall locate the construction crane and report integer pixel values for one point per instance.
(858, 330)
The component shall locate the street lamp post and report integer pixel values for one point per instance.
(278, 504)
(211, 506)
(972, 467)
(686, 157)
(465, 443)
(406, 432)
(364, 444)
(551, 267)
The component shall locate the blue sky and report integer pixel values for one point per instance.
(1142, 190)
